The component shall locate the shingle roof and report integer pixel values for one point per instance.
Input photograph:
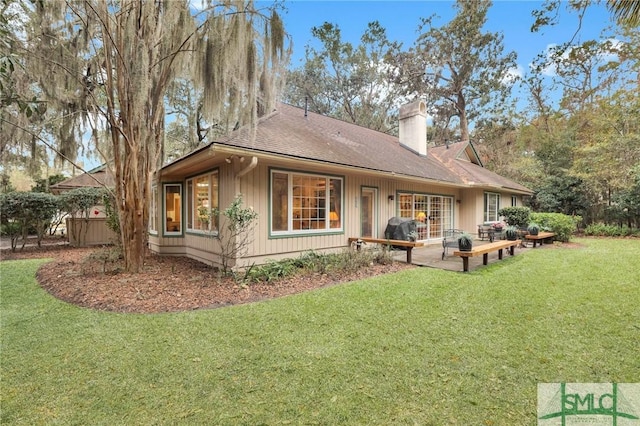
(472, 174)
(93, 179)
(314, 137)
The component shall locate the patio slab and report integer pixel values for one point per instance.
(431, 256)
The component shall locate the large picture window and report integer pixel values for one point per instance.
(173, 209)
(202, 201)
(491, 207)
(305, 203)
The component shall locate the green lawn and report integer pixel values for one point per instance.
(422, 346)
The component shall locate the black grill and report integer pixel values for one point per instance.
(399, 228)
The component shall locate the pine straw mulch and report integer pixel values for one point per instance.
(167, 284)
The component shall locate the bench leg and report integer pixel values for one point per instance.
(409, 254)
(511, 249)
(465, 264)
(485, 258)
(500, 254)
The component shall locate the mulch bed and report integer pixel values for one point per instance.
(167, 284)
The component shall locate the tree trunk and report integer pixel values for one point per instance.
(133, 232)
(461, 106)
(464, 127)
(136, 121)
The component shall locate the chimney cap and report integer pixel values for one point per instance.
(413, 108)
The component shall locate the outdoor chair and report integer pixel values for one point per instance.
(450, 240)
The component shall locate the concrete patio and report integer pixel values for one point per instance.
(431, 256)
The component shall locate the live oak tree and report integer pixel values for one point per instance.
(462, 71)
(108, 64)
(21, 115)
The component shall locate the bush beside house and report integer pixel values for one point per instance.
(564, 226)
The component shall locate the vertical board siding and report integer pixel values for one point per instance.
(89, 232)
(254, 187)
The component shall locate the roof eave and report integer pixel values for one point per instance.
(499, 188)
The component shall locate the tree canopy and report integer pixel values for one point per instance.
(346, 81)
(462, 71)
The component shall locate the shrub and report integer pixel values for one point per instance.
(516, 215)
(311, 260)
(564, 226)
(347, 260)
(113, 220)
(236, 236)
(9, 229)
(103, 260)
(28, 211)
(383, 257)
(272, 271)
(602, 230)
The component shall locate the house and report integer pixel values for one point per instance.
(316, 181)
(91, 230)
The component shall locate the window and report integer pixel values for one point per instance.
(514, 201)
(491, 206)
(202, 201)
(153, 211)
(173, 209)
(305, 203)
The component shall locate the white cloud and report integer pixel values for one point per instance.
(615, 46)
(551, 69)
(513, 75)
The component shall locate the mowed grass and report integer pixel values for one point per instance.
(418, 347)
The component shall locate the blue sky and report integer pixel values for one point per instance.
(401, 20)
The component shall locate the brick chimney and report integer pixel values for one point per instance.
(413, 127)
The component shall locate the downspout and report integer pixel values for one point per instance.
(252, 165)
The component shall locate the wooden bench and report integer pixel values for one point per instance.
(542, 237)
(402, 243)
(484, 250)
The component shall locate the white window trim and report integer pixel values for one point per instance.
(164, 210)
(153, 211)
(294, 232)
(448, 220)
(486, 208)
(192, 230)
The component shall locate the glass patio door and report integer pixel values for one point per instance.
(432, 213)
